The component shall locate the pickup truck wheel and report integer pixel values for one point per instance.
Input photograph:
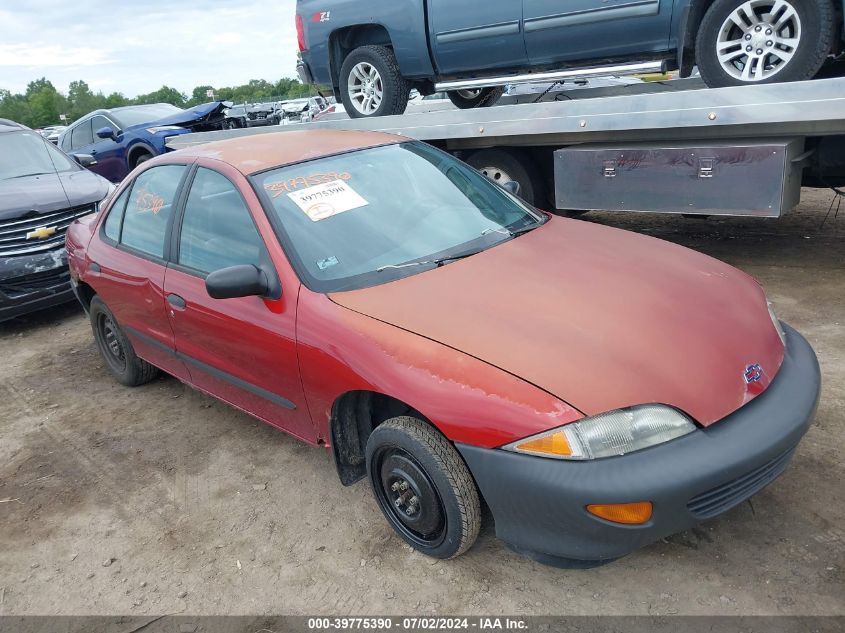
(763, 41)
(423, 487)
(478, 98)
(502, 166)
(115, 348)
(371, 83)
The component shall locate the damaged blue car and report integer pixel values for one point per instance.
(120, 139)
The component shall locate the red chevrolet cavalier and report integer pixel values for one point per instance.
(596, 388)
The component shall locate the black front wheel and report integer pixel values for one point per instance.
(423, 487)
(477, 98)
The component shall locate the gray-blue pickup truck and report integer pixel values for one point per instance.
(374, 52)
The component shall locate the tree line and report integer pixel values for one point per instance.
(42, 104)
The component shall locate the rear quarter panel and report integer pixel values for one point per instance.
(404, 21)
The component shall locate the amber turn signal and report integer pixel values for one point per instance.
(627, 513)
(551, 444)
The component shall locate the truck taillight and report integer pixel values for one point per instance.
(300, 33)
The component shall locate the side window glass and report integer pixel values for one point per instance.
(99, 122)
(217, 228)
(111, 227)
(81, 135)
(149, 209)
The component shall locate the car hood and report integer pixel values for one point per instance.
(197, 114)
(599, 317)
(50, 192)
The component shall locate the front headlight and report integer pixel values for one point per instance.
(608, 434)
(163, 128)
(776, 322)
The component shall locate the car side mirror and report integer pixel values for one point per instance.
(107, 132)
(85, 160)
(512, 186)
(244, 280)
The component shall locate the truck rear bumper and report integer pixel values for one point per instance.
(539, 504)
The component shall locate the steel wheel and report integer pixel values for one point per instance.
(113, 351)
(758, 39)
(365, 87)
(496, 174)
(408, 497)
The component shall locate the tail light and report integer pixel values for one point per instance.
(300, 34)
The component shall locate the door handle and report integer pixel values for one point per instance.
(176, 301)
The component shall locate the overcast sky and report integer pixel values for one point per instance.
(136, 47)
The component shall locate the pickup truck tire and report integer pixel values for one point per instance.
(423, 487)
(744, 42)
(479, 98)
(116, 350)
(371, 83)
(502, 165)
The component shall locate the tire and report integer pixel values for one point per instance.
(480, 98)
(407, 459)
(812, 24)
(116, 350)
(143, 157)
(378, 65)
(500, 166)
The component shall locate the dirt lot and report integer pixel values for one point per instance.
(161, 500)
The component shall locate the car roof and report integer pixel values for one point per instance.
(259, 152)
(10, 126)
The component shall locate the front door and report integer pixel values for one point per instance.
(476, 35)
(241, 350)
(573, 30)
(130, 263)
(111, 163)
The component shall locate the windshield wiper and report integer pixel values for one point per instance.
(437, 262)
(37, 173)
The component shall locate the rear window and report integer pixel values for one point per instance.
(150, 208)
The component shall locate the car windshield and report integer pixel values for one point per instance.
(367, 217)
(27, 153)
(127, 117)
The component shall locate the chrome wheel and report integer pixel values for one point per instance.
(496, 174)
(365, 87)
(468, 94)
(758, 39)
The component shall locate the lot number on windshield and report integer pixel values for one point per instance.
(325, 200)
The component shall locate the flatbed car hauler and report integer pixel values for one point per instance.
(737, 151)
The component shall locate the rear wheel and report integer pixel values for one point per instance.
(115, 348)
(478, 98)
(371, 83)
(423, 487)
(763, 41)
(501, 166)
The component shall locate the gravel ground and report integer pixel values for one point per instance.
(162, 500)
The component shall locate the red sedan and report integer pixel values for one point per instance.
(598, 389)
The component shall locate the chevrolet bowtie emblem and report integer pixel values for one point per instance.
(41, 232)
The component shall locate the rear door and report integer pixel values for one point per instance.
(128, 262)
(476, 35)
(241, 350)
(571, 30)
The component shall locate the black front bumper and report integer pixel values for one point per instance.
(33, 282)
(539, 503)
